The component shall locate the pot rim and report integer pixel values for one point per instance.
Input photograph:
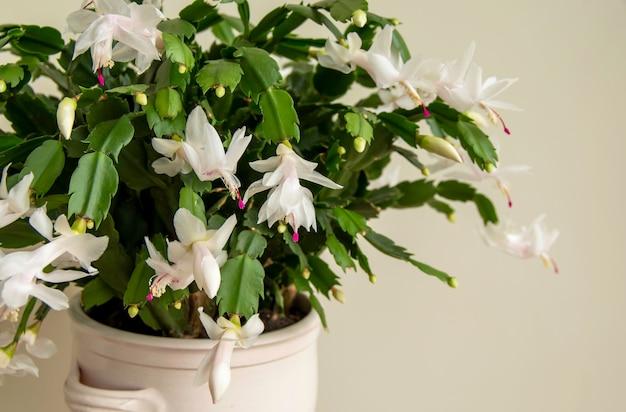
(84, 323)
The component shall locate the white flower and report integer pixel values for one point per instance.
(287, 199)
(340, 58)
(176, 276)
(18, 365)
(463, 88)
(38, 346)
(471, 172)
(204, 152)
(202, 247)
(66, 112)
(174, 161)
(130, 25)
(14, 203)
(385, 66)
(215, 366)
(21, 270)
(523, 242)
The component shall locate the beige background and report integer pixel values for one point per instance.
(513, 337)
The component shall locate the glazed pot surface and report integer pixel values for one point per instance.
(117, 370)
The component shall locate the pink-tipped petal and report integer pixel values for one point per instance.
(100, 77)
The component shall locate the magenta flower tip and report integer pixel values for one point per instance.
(100, 77)
(507, 131)
(241, 204)
(295, 237)
(426, 111)
(149, 297)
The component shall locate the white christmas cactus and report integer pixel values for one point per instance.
(124, 184)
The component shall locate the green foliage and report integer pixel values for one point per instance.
(358, 126)
(280, 120)
(92, 186)
(96, 293)
(12, 74)
(349, 221)
(260, 70)
(250, 243)
(219, 73)
(168, 103)
(191, 201)
(177, 51)
(46, 163)
(241, 287)
(339, 252)
(111, 136)
(39, 41)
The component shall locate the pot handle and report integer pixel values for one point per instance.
(82, 398)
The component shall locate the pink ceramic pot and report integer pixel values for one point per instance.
(116, 370)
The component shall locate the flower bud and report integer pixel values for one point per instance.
(490, 168)
(182, 69)
(425, 171)
(3, 86)
(359, 18)
(168, 103)
(394, 21)
(141, 99)
(452, 282)
(66, 112)
(282, 228)
(359, 144)
(439, 146)
(341, 150)
(133, 310)
(306, 273)
(451, 217)
(220, 91)
(373, 279)
(90, 224)
(178, 305)
(338, 294)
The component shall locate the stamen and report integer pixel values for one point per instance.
(506, 129)
(506, 192)
(100, 77)
(295, 237)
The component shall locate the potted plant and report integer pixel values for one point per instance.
(191, 190)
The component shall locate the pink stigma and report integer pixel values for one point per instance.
(426, 111)
(295, 237)
(149, 297)
(240, 203)
(100, 77)
(507, 131)
(510, 203)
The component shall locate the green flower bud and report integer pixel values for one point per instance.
(373, 279)
(282, 228)
(452, 217)
(182, 69)
(439, 146)
(178, 305)
(359, 18)
(141, 99)
(338, 294)
(359, 144)
(452, 282)
(3, 86)
(220, 91)
(306, 273)
(341, 150)
(490, 168)
(425, 171)
(133, 310)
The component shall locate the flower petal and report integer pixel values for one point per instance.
(188, 227)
